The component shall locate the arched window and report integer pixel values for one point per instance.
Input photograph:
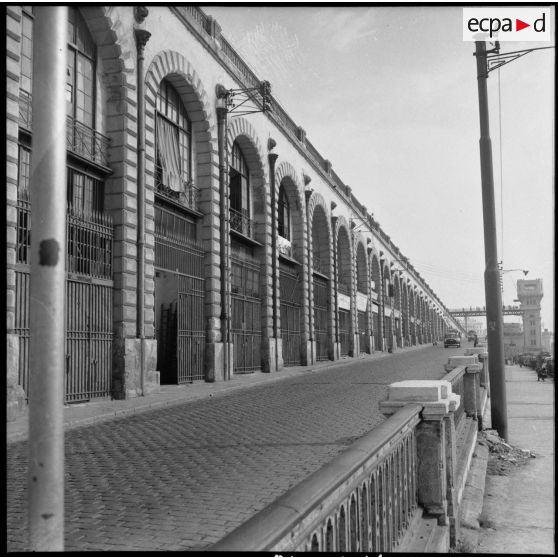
(174, 145)
(283, 215)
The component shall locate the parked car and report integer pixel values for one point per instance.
(452, 341)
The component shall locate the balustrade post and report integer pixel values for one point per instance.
(484, 377)
(431, 461)
(471, 391)
(436, 443)
(451, 471)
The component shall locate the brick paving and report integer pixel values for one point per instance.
(181, 477)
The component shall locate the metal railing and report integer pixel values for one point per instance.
(362, 501)
(80, 139)
(343, 288)
(86, 142)
(240, 222)
(188, 195)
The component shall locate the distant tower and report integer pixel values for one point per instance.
(530, 293)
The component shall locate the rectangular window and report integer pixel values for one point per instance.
(184, 139)
(85, 193)
(26, 60)
(70, 71)
(24, 169)
(283, 220)
(235, 191)
(84, 91)
(23, 207)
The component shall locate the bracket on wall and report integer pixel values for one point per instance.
(250, 100)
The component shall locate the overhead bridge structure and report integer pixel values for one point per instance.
(481, 311)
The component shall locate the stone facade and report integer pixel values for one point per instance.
(183, 47)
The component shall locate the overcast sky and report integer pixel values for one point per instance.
(389, 96)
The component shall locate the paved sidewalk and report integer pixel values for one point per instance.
(518, 511)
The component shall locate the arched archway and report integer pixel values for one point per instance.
(387, 287)
(405, 312)
(344, 270)
(397, 305)
(179, 125)
(291, 269)
(377, 322)
(362, 299)
(413, 314)
(321, 265)
(96, 199)
(248, 223)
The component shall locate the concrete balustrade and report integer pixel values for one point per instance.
(371, 495)
(436, 442)
(460, 360)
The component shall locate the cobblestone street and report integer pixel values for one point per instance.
(180, 478)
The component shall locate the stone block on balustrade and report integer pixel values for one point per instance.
(474, 367)
(435, 396)
(460, 360)
(418, 390)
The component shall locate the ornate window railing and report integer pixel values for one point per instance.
(362, 501)
(80, 139)
(86, 142)
(319, 265)
(241, 223)
(188, 196)
(343, 288)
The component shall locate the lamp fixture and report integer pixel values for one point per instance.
(247, 100)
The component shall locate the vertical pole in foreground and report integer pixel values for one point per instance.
(48, 284)
(493, 295)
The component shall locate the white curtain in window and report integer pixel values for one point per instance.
(169, 154)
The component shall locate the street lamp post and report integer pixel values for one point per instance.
(488, 60)
(494, 316)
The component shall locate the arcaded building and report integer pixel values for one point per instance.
(204, 240)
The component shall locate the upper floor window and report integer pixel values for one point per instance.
(239, 193)
(283, 215)
(85, 193)
(80, 72)
(26, 55)
(239, 182)
(174, 145)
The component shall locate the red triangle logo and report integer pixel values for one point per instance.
(519, 25)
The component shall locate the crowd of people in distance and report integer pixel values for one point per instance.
(542, 364)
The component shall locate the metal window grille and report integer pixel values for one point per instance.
(344, 331)
(180, 329)
(240, 222)
(321, 334)
(290, 287)
(246, 313)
